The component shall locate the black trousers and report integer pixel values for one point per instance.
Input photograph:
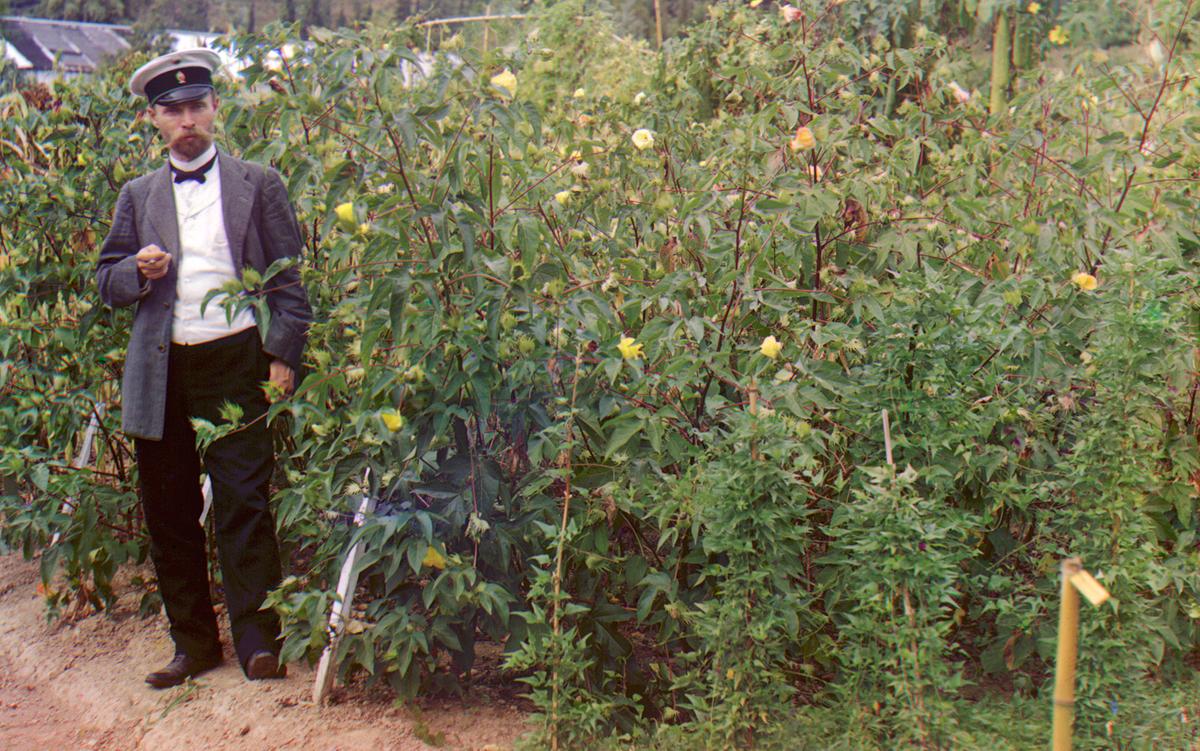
(200, 379)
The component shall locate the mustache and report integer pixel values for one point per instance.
(194, 133)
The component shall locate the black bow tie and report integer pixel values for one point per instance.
(196, 174)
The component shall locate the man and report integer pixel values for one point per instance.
(178, 233)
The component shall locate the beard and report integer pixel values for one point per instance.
(191, 145)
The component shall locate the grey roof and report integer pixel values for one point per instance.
(79, 47)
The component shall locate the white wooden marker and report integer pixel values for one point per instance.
(206, 491)
(81, 460)
(327, 667)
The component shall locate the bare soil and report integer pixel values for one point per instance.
(79, 685)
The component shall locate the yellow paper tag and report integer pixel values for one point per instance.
(1093, 590)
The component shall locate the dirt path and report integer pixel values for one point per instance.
(79, 686)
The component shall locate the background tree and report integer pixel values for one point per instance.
(99, 11)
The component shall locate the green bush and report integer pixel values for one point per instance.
(548, 341)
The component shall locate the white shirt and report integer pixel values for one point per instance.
(205, 261)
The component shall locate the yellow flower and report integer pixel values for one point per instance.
(804, 139)
(643, 139)
(345, 212)
(563, 197)
(579, 93)
(1034, 8)
(415, 374)
(629, 348)
(364, 228)
(392, 420)
(433, 559)
(1084, 281)
(507, 81)
(1058, 36)
(770, 347)
(755, 3)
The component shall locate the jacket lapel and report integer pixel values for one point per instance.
(237, 198)
(160, 206)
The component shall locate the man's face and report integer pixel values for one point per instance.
(187, 127)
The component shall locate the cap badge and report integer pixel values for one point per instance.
(180, 77)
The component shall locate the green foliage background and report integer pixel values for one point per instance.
(697, 538)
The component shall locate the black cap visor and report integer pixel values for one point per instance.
(183, 94)
(179, 85)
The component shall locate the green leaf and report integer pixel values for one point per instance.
(626, 427)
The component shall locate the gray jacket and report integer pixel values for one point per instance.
(261, 227)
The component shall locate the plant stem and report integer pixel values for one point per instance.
(555, 621)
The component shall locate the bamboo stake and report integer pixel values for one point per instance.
(754, 411)
(658, 22)
(919, 693)
(887, 439)
(347, 581)
(555, 623)
(472, 19)
(487, 27)
(81, 459)
(1064, 664)
(1001, 58)
(206, 492)
(909, 611)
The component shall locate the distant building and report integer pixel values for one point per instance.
(49, 49)
(46, 49)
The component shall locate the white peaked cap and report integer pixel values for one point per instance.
(177, 76)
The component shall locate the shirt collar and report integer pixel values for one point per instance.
(196, 163)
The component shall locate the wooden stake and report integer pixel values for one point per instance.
(1064, 664)
(347, 581)
(486, 28)
(919, 688)
(754, 411)
(658, 22)
(909, 611)
(81, 460)
(555, 621)
(206, 494)
(887, 439)
(472, 19)
(1001, 60)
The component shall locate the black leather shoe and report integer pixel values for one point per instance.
(264, 665)
(180, 669)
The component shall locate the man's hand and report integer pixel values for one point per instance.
(153, 262)
(282, 380)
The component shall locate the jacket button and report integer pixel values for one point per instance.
(166, 306)
(162, 348)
